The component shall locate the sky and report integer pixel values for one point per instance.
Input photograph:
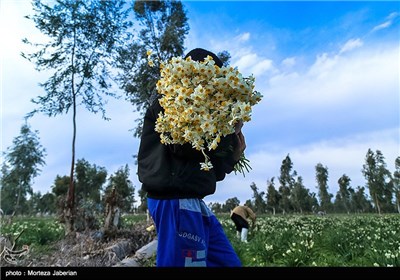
(328, 72)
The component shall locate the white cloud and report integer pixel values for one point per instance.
(393, 15)
(389, 21)
(251, 63)
(384, 25)
(246, 61)
(261, 67)
(323, 65)
(351, 44)
(243, 56)
(359, 78)
(289, 62)
(243, 37)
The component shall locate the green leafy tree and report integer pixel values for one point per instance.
(286, 181)
(82, 40)
(343, 201)
(272, 196)
(396, 183)
(163, 30)
(60, 190)
(378, 181)
(301, 198)
(229, 204)
(124, 188)
(249, 203)
(359, 201)
(258, 201)
(142, 208)
(225, 57)
(322, 182)
(60, 186)
(89, 181)
(21, 165)
(216, 207)
(47, 204)
(32, 204)
(313, 201)
(9, 190)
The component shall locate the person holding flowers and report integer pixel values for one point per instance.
(191, 139)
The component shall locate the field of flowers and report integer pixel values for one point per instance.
(32, 230)
(328, 241)
(275, 241)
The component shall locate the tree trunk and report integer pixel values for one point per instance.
(120, 249)
(69, 221)
(377, 205)
(70, 213)
(141, 255)
(16, 209)
(109, 217)
(111, 221)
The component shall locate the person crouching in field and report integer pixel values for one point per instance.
(240, 216)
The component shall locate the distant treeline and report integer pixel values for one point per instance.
(380, 194)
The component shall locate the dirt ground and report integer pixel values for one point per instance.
(88, 249)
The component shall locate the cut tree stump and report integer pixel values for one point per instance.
(120, 249)
(141, 255)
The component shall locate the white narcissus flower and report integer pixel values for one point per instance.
(202, 103)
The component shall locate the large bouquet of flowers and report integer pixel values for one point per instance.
(202, 103)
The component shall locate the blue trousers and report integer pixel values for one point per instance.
(190, 235)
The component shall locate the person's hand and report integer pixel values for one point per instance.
(238, 127)
(240, 147)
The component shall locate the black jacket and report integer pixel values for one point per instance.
(173, 171)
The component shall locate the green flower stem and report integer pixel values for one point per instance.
(242, 166)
